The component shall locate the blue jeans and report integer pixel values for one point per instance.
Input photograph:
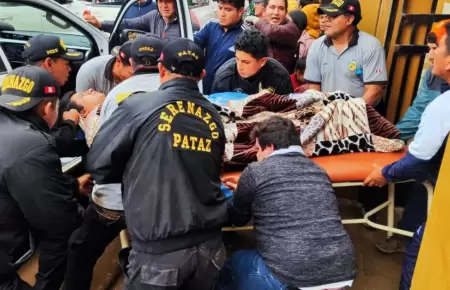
(410, 260)
(246, 270)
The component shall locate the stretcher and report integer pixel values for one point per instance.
(350, 170)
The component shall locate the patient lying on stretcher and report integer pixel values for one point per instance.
(88, 104)
(301, 242)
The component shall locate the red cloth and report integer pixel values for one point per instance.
(298, 87)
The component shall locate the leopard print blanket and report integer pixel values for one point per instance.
(330, 123)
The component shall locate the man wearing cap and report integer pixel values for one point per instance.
(345, 58)
(103, 73)
(104, 217)
(38, 204)
(166, 148)
(50, 53)
(217, 38)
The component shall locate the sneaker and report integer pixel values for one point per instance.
(392, 245)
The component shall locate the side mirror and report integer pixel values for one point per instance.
(130, 34)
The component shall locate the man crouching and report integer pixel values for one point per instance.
(300, 239)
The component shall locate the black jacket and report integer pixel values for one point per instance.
(66, 144)
(168, 146)
(273, 76)
(35, 196)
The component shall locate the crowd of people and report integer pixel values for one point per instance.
(153, 146)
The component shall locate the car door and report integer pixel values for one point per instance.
(5, 66)
(22, 19)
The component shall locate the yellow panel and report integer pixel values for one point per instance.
(292, 5)
(384, 14)
(414, 6)
(370, 10)
(433, 265)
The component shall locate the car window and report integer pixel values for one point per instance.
(33, 21)
(4, 66)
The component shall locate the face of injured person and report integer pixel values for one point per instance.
(86, 102)
(247, 65)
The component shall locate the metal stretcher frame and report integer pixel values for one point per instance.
(390, 204)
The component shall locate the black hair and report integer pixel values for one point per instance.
(238, 4)
(145, 61)
(64, 102)
(253, 42)
(39, 62)
(266, 2)
(432, 38)
(276, 131)
(300, 64)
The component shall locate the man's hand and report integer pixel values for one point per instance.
(71, 115)
(375, 178)
(252, 19)
(93, 21)
(230, 183)
(85, 185)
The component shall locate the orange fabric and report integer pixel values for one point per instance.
(439, 29)
(312, 20)
(351, 167)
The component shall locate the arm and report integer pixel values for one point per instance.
(240, 205)
(46, 198)
(286, 34)
(85, 80)
(66, 129)
(286, 87)
(139, 23)
(409, 124)
(373, 93)
(431, 135)
(201, 37)
(313, 74)
(374, 74)
(112, 146)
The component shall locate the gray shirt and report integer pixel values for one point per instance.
(151, 22)
(96, 74)
(363, 62)
(110, 195)
(299, 233)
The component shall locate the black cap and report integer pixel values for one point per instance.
(42, 46)
(181, 51)
(146, 46)
(26, 86)
(124, 51)
(339, 7)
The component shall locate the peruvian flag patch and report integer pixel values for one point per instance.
(351, 8)
(122, 54)
(49, 90)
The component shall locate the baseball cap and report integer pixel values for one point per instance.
(437, 32)
(123, 51)
(146, 46)
(258, 1)
(26, 86)
(42, 46)
(183, 56)
(339, 7)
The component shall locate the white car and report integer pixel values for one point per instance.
(22, 19)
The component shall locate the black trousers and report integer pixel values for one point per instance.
(99, 228)
(13, 282)
(194, 268)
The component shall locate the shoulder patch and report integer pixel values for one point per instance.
(122, 97)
